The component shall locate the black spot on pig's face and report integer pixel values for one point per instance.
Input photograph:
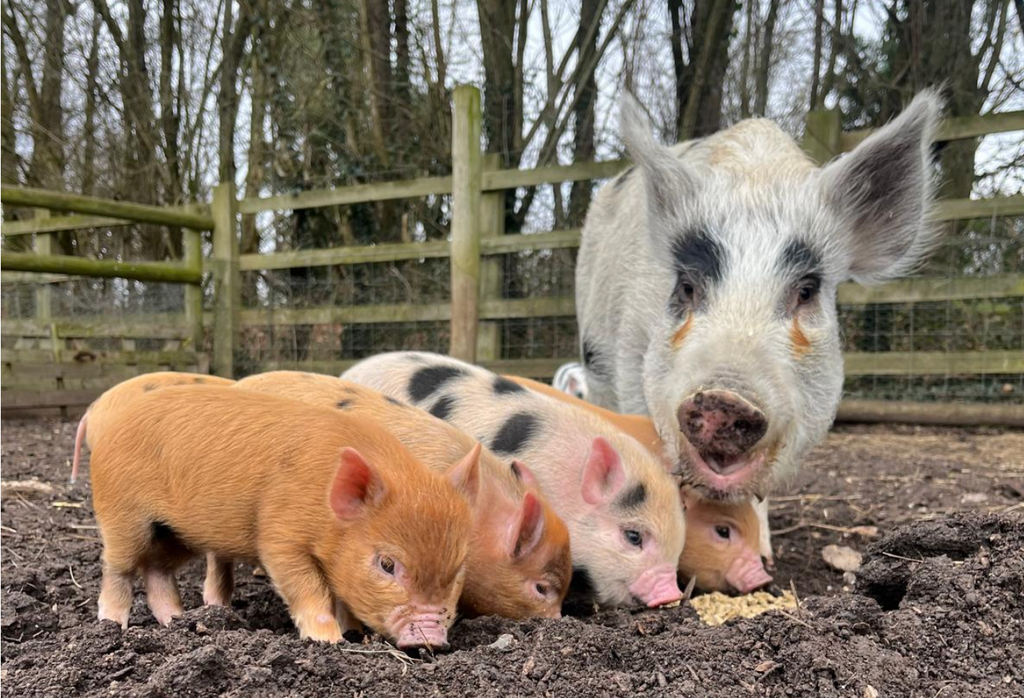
(593, 360)
(427, 381)
(699, 262)
(515, 433)
(442, 409)
(344, 404)
(633, 498)
(503, 386)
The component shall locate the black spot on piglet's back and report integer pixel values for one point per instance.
(344, 404)
(427, 381)
(442, 409)
(515, 433)
(503, 386)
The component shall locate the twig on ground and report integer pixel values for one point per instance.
(689, 588)
(71, 571)
(693, 673)
(858, 530)
(900, 557)
(796, 597)
(795, 619)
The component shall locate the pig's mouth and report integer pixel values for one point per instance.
(724, 472)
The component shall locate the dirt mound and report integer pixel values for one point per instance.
(937, 610)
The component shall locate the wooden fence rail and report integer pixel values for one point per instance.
(476, 243)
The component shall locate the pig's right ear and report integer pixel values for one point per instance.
(465, 475)
(356, 486)
(667, 180)
(603, 475)
(529, 528)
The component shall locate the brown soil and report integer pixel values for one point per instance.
(936, 610)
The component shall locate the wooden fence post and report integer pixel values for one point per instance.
(465, 250)
(193, 258)
(492, 225)
(227, 297)
(44, 246)
(822, 130)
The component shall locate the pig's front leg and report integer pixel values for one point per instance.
(345, 619)
(297, 579)
(219, 584)
(765, 541)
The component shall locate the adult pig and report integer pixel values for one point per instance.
(519, 563)
(347, 524)
(724, 542)
(621, 507)
(706, 285)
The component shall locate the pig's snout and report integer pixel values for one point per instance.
(423, 630)
(747, 573)
(721, 425)
(657, 586)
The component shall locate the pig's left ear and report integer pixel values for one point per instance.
(884, 189)
(529, 528)
(465, 475)
(603, 475)
(356, 486)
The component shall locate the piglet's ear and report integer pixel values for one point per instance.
(884, 189)
(465, 475)
(667, 180)
(356, 486)
(529, 527)
(524, 474)
(603, 475)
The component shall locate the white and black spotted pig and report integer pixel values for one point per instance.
(706, 285)
(621, 506)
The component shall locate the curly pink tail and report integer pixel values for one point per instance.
(79, 438)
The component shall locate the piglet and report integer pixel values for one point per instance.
(724, 541)
(91, 425)
(621, 507)
(348, 525)
(519, 563)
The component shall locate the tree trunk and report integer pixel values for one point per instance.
(584, 113)
(764, 68)
(232, 47)
(92, 66)
(711, 23)
(819, 23)
(748, 38)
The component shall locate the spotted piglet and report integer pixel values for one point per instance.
(348, 525)
(519, 561)
(621, 507)
(723, 540)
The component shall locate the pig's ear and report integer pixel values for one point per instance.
(687, 498)
(603, 475)
(529, 528)
(884, 189)
(524, 474)
(356, 486)
(465, 475)
(667, 180)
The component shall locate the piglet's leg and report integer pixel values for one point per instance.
(162, 594)
(345, 619)
(220, 580)
(300, 584)
(115, 602)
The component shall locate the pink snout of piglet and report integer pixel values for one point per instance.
(657, 586)
(426, 628)
(747, 573)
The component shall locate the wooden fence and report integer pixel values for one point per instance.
(477, 241)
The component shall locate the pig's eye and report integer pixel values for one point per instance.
(634, 538)
(723, 532)
(387, 564)
(808, 289)
(541, 589)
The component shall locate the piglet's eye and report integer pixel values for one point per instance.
(634, 538)
(387, 564)
(542, 589)
(723, 532)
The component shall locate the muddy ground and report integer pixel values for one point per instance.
(936, 610)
